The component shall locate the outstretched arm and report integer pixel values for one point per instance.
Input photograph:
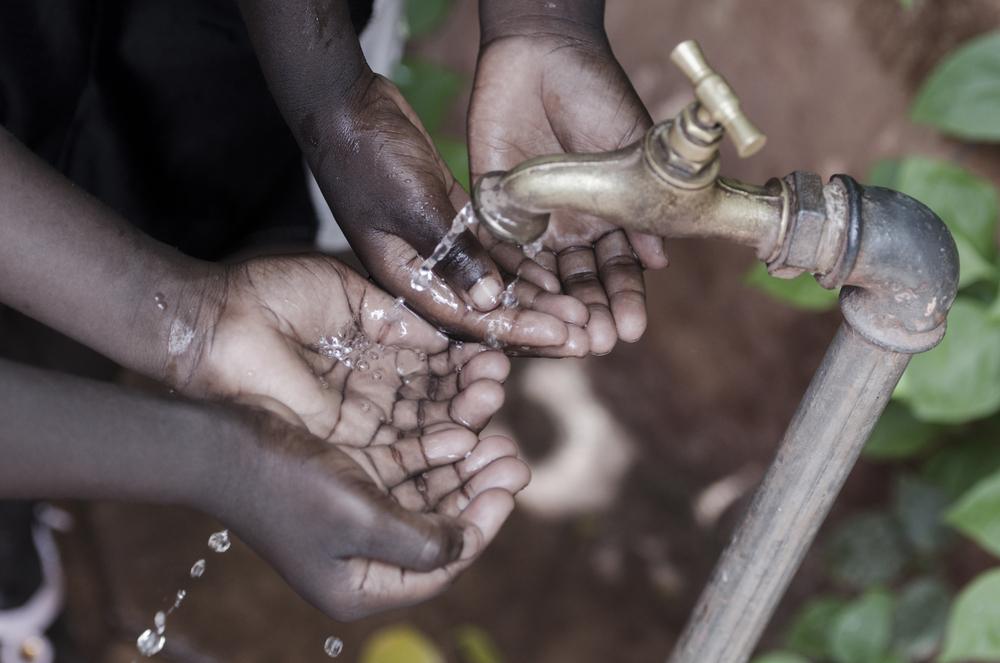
(338, 520)
(547, 82)
(390, 190)
(73, 264)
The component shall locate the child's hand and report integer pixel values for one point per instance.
(310, 340)
(395, 199)
(551, 88)
(365, 525)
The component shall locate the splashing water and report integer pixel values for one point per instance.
(350, 347)
(333, 646)
(508, 299)
(496, 328)
(219, 541)
(198, 570)
(151, 641)
(533, 249)
(466, 218)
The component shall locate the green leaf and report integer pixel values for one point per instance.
(779, 657)
(423, 16)
(961, 464)
(456, 155)
(973, 632)
(959, 380)
(431, 89)
(973, 267)
(400, 644)
(962, 94)
(921, 615)
(801, 292)
(476, 646)
(977, 513)
(866, 550)
(919, 506)
(968, 205)
(810, 631)
(898, 434)
(862, 630)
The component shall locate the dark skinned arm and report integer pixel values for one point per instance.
(335, 531)
(70, 262)
(385, 182)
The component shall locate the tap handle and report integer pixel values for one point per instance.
(717, 98)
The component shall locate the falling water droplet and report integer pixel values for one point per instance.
(150, 643)
(219, 542)
(160, 621)
(198, 570)
(533, 249)
(333, 646)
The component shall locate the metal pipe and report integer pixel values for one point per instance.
(844, 400)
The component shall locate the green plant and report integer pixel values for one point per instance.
(433, 89)
(941, 429)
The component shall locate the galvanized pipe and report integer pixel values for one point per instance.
(844, 400)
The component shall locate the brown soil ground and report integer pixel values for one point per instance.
(707, 392)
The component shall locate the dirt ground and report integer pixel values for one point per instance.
(704, 395)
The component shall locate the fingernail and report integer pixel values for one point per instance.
(485, 294)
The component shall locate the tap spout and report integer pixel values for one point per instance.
(635, 188)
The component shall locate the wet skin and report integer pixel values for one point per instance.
(331, 492)
(394, 197)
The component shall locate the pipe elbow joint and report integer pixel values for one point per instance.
(900, 268)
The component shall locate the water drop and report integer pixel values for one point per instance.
(219, 541)
(377, 375)
(160, 621)
(161, 301)
(181, 595)
(323, 383)
(366, 406)
(533, 249)
(362, 365)
(198, 570)
(508, 298)
(150, 643)
(333, 646)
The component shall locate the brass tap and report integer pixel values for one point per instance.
(718, 103)
(666, 183)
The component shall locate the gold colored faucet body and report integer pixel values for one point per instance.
(667, 183)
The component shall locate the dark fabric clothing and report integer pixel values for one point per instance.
(158, 108)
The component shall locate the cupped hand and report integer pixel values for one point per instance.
(310, 340)
(542, 93)
(371, 523)
(395, 199)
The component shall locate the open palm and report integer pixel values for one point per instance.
(392, 465)
(548, 94)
